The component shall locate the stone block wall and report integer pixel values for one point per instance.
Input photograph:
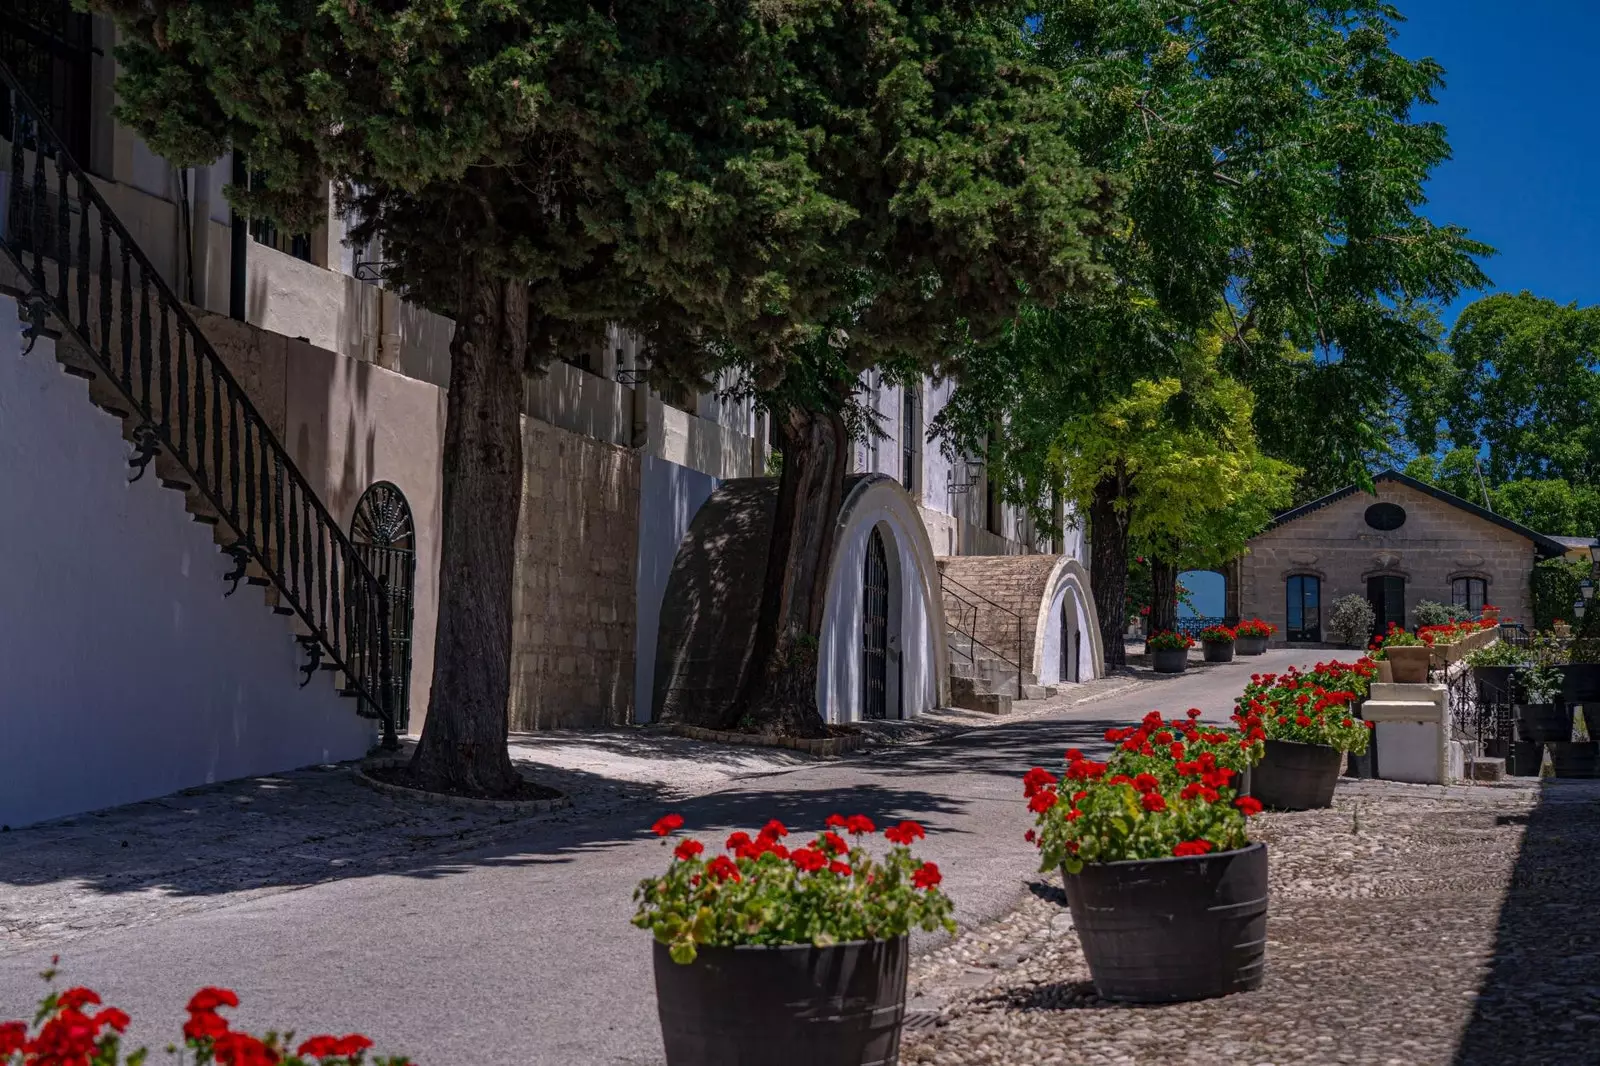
(1438, 543)
(1017, 583)
(572, 653)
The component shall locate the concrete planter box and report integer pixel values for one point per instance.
(1445, 654)
(1409, 665)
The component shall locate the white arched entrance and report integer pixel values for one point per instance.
(915, 667)
(1067, 641)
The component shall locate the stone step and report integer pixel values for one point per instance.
(967, 696)
(1485, 769)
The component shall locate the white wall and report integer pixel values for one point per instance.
(126, 674)
(1069, 589)
(916, 615)
(669, 497)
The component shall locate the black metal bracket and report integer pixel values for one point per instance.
(38, 309)
(628, 375)
(240, 553)
(146, 446)
(313, 648)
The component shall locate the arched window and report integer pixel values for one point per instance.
(1304, 603)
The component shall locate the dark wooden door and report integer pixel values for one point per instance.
(1388, 598)
(875, 631)
(1304, 608)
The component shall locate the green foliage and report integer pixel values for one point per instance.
(1431, 613)
(1554, 586)
(1167, 640)
(1351, 620)
(1525, 384)
(762, 892)
(1550, 505)
(1500, 653)
(1275, 174)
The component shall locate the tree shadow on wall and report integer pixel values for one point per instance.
(1542, 991)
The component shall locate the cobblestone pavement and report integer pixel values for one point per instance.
(1409, 925)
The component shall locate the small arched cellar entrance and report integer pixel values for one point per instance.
(1067, 650)
(881, 652)
(384, 536)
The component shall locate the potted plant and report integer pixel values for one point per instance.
(1495, 671)
(1560, 628)
(1351, 620)
(1542, 716)
(1581, 683)
(1218, 644)
(769, 954)
(1168, 893)
(1408, 656)
(1309, 723)
(1250, 636)
(1169, 651)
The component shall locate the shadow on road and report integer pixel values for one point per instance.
(1542, 991)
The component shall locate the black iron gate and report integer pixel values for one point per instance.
(385, 537)
(875, 631)
(1068, 670)
(48, 47)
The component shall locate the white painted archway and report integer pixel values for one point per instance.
(918, 675)
(1067, 600)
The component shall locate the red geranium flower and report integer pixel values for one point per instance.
(738, 840)
(211, 998)
(1153, 802)
(319, 1047)
(905, 833)
(1192, 847)
(808, 859)
(1146, 782)
(1030, 836)
(1035, 779)
(204, 1025)
(839, 868)
(836, 821)
(858, 824)
(688, 849)
(723, 869)
(926, 876)
(1249, 805)
(835, 843)
(1042, 801)
(1193, 712)
(775, 829)
(666, 824)
(77, 998)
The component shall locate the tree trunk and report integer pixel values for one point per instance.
(1108, 565)
(463, 745)
(779, 692)
(1164, 594)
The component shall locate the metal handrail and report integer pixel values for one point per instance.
(235, 463)
(965, 596)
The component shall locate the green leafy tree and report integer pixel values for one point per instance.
(1458, 472)
(1191, 490)
(1525, 386)
(1275, 174)
(1555, 588)
(798, 190)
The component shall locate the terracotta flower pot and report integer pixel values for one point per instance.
(1410, 665)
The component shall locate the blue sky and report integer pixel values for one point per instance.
(1523, 115)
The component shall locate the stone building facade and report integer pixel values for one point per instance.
(1405, 543)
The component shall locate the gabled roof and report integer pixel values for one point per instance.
(1547, 546)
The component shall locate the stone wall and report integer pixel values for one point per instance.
(573, 608)
(1018, 583)
(1438, 543)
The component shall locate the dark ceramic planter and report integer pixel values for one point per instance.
(1218, 651)
(794, 1005)
(1250, 645)
(1168, 930)
(1580, 682)
(1575, 760)
(1295, 777)
(1496, 684)
(1543, 722)
(1524, 758)
(1170, 660)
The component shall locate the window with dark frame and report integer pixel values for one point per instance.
(1303, 604)
(910, 435)
(49, 47)
(1469, 592)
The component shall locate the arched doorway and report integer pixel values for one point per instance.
(384, 535)
(1071, 639)
(875, 631)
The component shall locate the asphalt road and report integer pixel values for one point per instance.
(523, 953)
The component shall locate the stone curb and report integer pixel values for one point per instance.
(555, 803)
(826, 748)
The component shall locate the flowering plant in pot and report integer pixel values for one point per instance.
(1168, 893)
(1251, 635)
(1540, 715)
(757, 946)
(1309, 722)
(1408, 656)
(1218, 643)
(1169, 651)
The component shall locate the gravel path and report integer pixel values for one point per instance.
(1410, 925)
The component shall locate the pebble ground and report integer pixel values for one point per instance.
(1409, 926)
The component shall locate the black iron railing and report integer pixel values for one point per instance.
(967, 613)
(81, 271)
